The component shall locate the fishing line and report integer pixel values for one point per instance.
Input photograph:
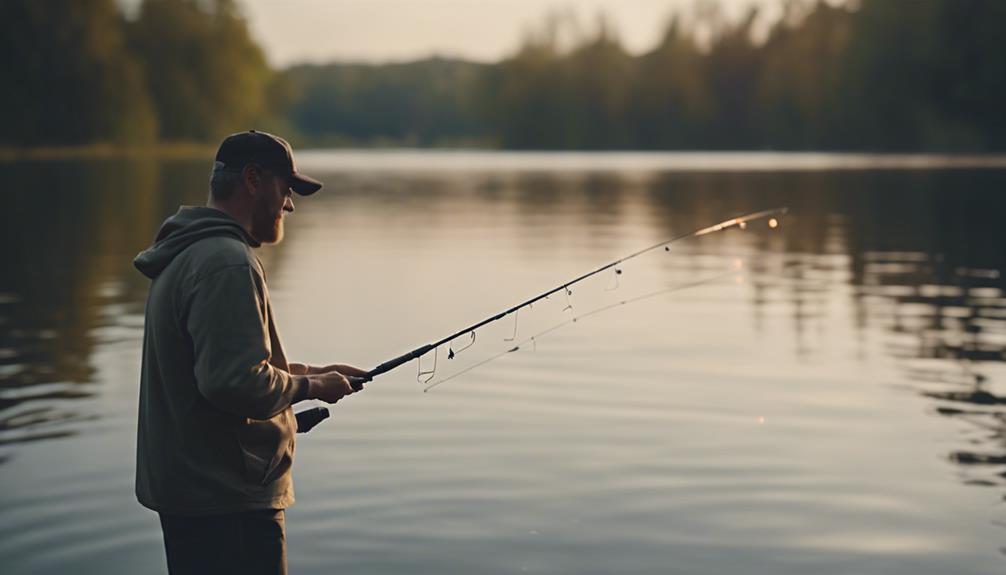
(534, 338)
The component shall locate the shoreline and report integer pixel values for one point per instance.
(478, 158)
(108, 152)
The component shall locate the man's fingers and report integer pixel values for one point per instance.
(331, 387)
(356, 382)
(346, 369)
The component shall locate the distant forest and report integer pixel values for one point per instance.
(884, 75)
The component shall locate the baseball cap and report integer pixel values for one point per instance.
(268, 151)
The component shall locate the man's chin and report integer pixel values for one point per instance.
(272, 236)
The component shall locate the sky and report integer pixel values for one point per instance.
(295, 31)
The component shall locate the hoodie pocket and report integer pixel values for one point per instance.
(266, 449)
(256, 467)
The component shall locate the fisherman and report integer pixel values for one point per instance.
(215, 439)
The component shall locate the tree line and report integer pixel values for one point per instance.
(866, 75)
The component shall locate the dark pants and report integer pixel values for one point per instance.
(251, 542)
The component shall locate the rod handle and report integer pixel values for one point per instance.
(392, 364)
(307, 419)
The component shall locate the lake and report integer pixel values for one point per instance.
(825, 397)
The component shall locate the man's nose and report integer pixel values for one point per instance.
(288, 204)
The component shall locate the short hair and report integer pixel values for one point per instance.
(223, 181)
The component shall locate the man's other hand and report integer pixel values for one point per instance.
(328, 387)
(298, 368)
(349, 370)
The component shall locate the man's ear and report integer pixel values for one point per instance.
(251, 175)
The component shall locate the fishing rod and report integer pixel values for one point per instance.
(738, 222)
(309, 418)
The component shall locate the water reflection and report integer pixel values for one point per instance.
(918, 254)
(70, 231)
(954, 314)
(67, 227)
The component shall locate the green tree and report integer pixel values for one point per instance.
(931, 77)
(68, 76)
(732, 69)
(864, 75)
(670, 98)
(206, 74)
(422, 103)
(800, 95)
(547, 97)
(599, 76)
(526, 98)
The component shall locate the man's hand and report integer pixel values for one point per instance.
(304, 369)
(328, 387)
(298, 368)
(327, 383)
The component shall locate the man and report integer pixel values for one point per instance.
(215, 439)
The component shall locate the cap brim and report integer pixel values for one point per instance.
(304, 185)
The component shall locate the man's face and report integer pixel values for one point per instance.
(272, 202)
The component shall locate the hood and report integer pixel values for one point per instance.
(183, 229)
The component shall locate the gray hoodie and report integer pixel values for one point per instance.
(216, 431)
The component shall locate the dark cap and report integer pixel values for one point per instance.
(270, 152)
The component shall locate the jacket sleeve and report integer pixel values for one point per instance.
(228, 323)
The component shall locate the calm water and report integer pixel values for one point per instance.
(831, 399)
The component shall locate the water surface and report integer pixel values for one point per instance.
(830, 399)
